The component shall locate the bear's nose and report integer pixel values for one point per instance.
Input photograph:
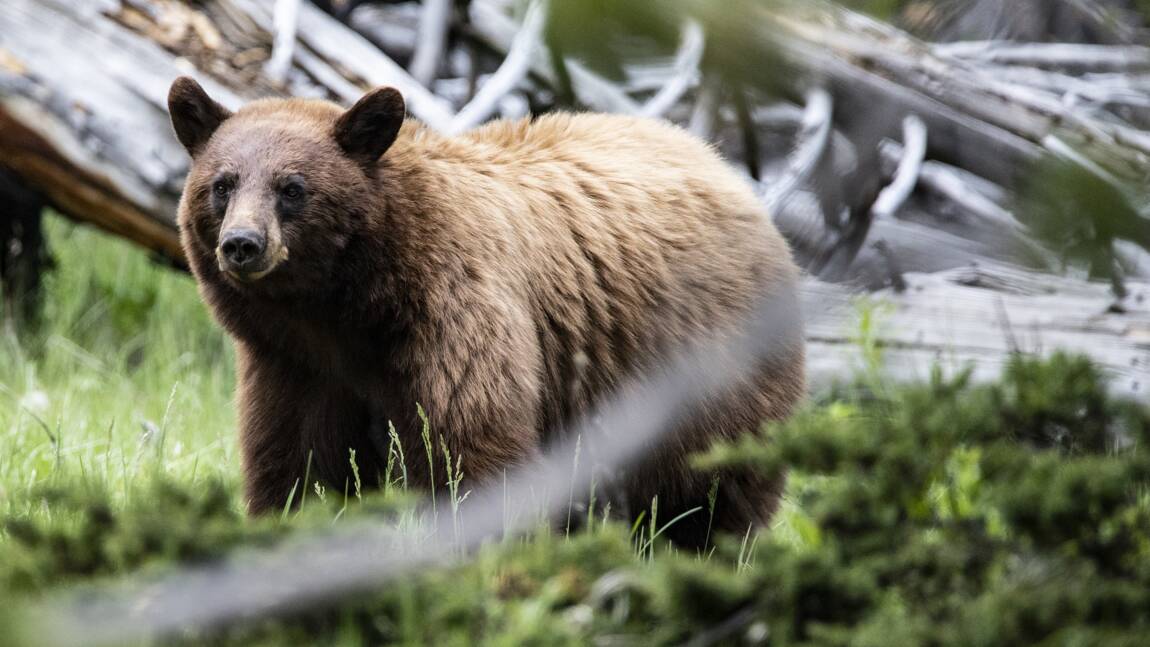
(241, 247)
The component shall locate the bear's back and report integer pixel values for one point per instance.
(626, 238)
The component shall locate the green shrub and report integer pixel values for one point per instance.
(935, 514)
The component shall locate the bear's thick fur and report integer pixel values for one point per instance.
(505, 280)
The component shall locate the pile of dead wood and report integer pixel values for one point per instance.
(892, 163)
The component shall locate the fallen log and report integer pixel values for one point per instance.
(91, 133)
(91, 136)
(974, 318)
(975, 121)
(1073, 21)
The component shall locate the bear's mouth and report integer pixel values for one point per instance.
(251, 274)
(248, 277)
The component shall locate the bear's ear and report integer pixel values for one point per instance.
(195, 116)
(367, 129)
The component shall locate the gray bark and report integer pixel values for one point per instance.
(83, 124)
(974, 318)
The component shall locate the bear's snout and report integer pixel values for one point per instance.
(242, 250)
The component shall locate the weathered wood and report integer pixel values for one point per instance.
(498, 30)
(1072, 21)
(975, 317)
(686, 72)
(880, 75)
(91, 134)
(514, 69)
(1068, 57)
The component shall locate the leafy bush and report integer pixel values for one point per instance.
(952, 514)
(936, 514)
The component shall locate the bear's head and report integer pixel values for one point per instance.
(277, 190)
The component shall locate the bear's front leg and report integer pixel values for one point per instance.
(267, 403)
(478, 377)
(291, 423)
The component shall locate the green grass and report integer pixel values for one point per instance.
(126, 378)
(941, 513)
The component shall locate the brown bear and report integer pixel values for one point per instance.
(506, 280)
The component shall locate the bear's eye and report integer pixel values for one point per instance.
(221, 188)
(292, 192)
